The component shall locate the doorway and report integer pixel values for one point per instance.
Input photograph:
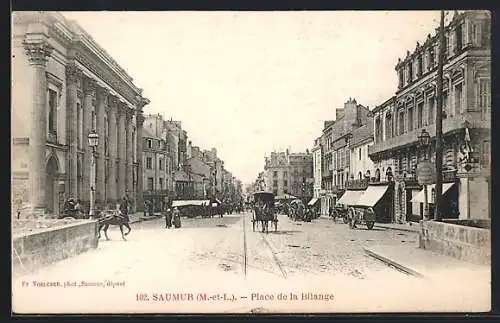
(51, 194)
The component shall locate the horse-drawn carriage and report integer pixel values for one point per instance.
(264, 211)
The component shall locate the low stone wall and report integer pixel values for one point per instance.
(459, 241)
(34, 250)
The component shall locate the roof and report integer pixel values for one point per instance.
(181, 176)
(198, 166)
(361, 134)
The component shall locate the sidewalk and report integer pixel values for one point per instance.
(139, 217)
(424, 263)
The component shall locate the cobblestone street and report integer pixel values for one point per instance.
(224, 255)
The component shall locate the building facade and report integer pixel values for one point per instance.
(467, 115)
(276, 173)
(317, 163)
(301, 176)
(157, 161)
(63, 86)
(361, 166)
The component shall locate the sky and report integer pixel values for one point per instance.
(248, 83)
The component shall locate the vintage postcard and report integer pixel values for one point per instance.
(251, 162)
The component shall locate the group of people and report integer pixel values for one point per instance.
(298, 211)
(172, 217)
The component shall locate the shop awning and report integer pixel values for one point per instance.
(350, 197)
(372, 195)
(190, 202)
(312, 201)
(420, 197)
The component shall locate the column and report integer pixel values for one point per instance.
(89, 87)
(139, 118)
(102, 94)
(121, 151)
(38, 53)
(73, 75)
(112, 196)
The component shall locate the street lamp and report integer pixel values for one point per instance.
(424, 141)
(93, 138)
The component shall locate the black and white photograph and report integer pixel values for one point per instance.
(250, 161)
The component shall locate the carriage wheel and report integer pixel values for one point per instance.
(370, 225)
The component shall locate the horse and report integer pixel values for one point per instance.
(115, 218)
(266, 215)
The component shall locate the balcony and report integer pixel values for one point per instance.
(411, 137)
(156, 192)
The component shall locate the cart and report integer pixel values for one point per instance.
(264, 211)
(361, 215)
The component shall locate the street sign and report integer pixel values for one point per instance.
(425, 173)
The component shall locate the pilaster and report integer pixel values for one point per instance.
(73, 75)
(89, 88)
(121, 150)
(101, 95)
(112, 178)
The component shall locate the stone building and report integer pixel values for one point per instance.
(361, 166)
(289, 173)
(216, 172)
(336, 152)
(466, 105)
(157, 161)
(63, 86)
(276, 173)
(317, 167)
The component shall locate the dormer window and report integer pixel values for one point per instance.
(410, 72)
(401, 78)
(420, 65)
(431, 58)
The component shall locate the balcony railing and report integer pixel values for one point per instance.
(411, 137)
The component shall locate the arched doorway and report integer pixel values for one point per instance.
(51, 194)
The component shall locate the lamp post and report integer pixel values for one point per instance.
(93, 138)
(424, 141)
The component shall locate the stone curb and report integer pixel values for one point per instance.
(395, 228)
(393, 263)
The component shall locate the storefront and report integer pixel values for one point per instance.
(378, 197)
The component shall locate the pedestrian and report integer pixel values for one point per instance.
(168, 218)
(145, 207)
(176, 217)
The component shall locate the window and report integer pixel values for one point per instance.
(410, 72)
(459, 37)
(161, 183)
(420, 114)
(150, 183)
(149, 163)
(445, 104)
(485, 154)
(484, 93)
(388, 126)
(360, 175)
(410, 119)
(419, 65)
(150, 143)
(52, 118)
(275, 183)
(431, 116)
(161, 164)
(458, 99)
(285, 174)
(359, 153)
(431, 58)
(401, 122)
(275, 173)
(285, 183)
(378, 130)
(401, 78)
